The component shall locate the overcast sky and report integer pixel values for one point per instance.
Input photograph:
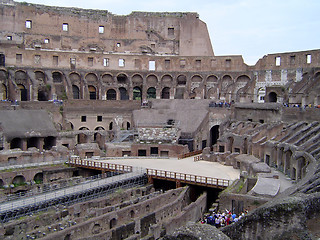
(251, 28)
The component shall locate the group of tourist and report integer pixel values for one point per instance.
(222, 219)
(298, 106)
(220, 104)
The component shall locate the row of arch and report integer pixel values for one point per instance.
(111, 87)
(292, 163)
(19, 180)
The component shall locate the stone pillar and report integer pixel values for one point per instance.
(24, 144)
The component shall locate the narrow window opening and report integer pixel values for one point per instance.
(101, 29)
(55, 60)
(278, 61)
(18, 58)
(99, 118)
(106, 62)
(90, 61)
(72, 63)
(37, 59)
(152, 65)
(167, 63)
(121, 62)
(198, 63)
(292, 60)
(182, 63)
(29, 24)
(46, 40)
(308, 58)
(65, 27)
(228, 63)
(83, 118)
(170, 31)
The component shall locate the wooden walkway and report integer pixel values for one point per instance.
(178, 177)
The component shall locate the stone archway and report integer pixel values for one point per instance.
(165, 94)
(111, 94)
(137, 93)
(273, 97)
(75, 92)
(151, 93)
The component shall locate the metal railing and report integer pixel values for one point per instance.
(76, 161)
(188, 178)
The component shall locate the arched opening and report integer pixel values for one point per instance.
(43, 93)
(181, 80)
(123, 94)
(33, 142)
(16, 143)
(152, 80)
(113, 223)
(137, 79)
(38, 178)
(18, 180)
(111, 94)
(49, 142)
(165, 94)
(23, 93)
(57, 77)
(151, 93)
(75, 92)
(136, 93)
(214, 134)
(3, 92)
(132, 213)
(92, 92)
(122, 79)
(126, 125)
(107, 78)
(272, 97)
(82, 138)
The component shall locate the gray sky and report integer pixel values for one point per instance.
(251, 28)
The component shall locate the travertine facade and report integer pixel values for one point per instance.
(57, 53)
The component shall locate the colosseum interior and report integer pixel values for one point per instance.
(88, 84)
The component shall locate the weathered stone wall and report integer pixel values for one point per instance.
(290, 218)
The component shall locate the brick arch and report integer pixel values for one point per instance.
(212, 78)
(3, 75)
(181, 79)
(167, 79)
(91, 77)
(196, 78)
(122, 78)
(74, 77)
(243, 78)
(107, 78)
(57, 76)
(152, 80)
(137, 79)
(111, 94)
(40, 76)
